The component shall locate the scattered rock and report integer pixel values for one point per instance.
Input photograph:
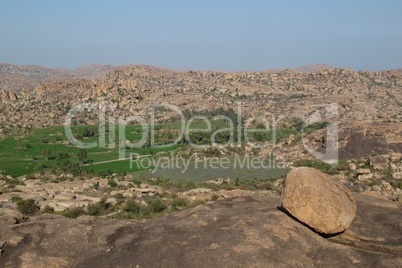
(365, 177)
(395, 157)
(386, 186)
(352, 167)
(363, 171)
(376, 188)
(379, 162)
(397, 175)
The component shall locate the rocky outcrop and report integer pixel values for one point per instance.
(246, 231)
(6, 95)
(319, 201)
(380, 142)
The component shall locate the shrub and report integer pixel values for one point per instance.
(343, 165)
(119, 197)
(317, 164)
(27, 207)
(99, 208)
(157, 206)
(73, 212)
(297, 123)
(214, 197)
(132, 207)
(178, 203)
(266, 186)
(374, 182)
(16, 199)
(27, 145)
(197, 203)
(105, 173)
(112, 183)
(122, 173)
(47, 209)
(93, 210)
(396, 184)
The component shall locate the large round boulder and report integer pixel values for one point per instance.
(317, 200)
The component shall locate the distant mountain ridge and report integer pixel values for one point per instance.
(302, 69)
(17, 77)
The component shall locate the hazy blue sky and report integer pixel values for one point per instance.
(204, 34)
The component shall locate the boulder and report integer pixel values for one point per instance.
(378, 159)
(376, 188)
(395, 157)
(365, 177)
(397, 175)
(379, 162)
(352, 167)
(317, 200)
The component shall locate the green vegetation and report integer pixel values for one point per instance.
(314, 163)
(27, 207)
(100, 208)
(49, 148)
(82, 155)
(149, 206)
(112, 183)
(214, 197)
(74, 212)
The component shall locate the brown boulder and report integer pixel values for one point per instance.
(318, 201)
(379, 162)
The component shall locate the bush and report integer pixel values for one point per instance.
(93, 210)
(178, 203)
(266, 186)
(27, 207)
(396, 184)
(47, 209)
(27, 145)
(73, 212)
(99, 208)
(155, 206)
(298, 123)
(16, 199)
(343, 165)
(105, 173)
(122, 173)
(317, 164)
(374, 182)
(214, 197)
(132, 207)
(112, 183)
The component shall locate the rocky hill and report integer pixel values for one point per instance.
(361, 96)
(362, 99)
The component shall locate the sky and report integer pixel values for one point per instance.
(222, 35)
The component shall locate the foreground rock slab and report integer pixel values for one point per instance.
(319, 201)
(247, 231)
